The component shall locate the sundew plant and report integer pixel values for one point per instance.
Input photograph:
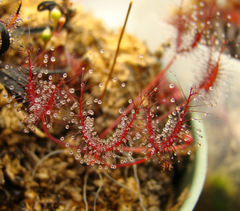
(67, 95)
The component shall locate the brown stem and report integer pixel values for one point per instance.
(116, 53)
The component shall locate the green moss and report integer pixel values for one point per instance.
(218, 194)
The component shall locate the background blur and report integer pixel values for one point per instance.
(148, 22)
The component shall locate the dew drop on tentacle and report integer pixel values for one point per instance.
(189, 152)
(171, 86)
(53, 59)
(72, 90)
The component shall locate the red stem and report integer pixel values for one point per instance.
(107, 148)
(131, 106)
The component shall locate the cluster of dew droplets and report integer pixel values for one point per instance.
(104, 147)
(170, 125)
(211, 20)
(45, 95)
(194, 26)
(96, 150)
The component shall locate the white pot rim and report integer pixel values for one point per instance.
(197, 175)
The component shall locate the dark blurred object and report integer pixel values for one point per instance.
(5, 39)
(14, 79)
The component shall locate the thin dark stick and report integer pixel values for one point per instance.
(117, 51)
